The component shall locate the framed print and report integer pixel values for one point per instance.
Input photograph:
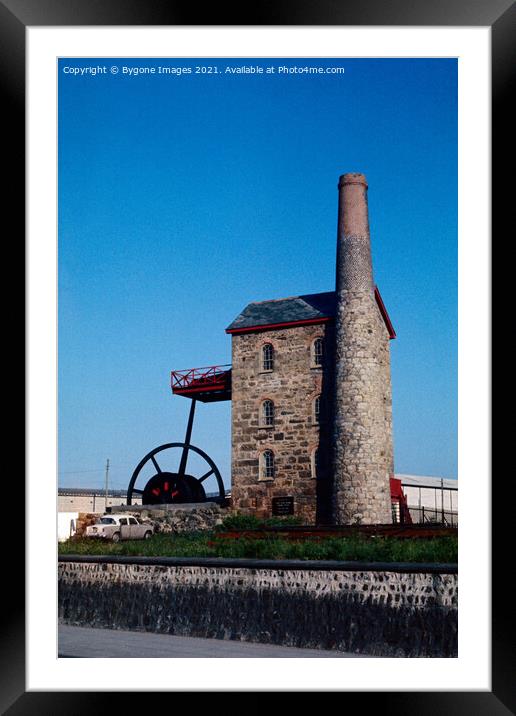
(97, 97)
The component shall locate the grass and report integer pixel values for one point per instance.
(205, 544)
(238, 521)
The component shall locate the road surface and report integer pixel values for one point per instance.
(101, 643)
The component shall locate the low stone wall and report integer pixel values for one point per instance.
(382, 610)
(187, 517)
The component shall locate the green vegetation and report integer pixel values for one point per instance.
(205, 544)
(192, 544)
(250, 522)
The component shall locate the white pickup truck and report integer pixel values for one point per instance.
(117, 527)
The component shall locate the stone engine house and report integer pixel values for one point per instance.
(311, 391)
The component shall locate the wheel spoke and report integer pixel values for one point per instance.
(184, 458)
(158, 468)
(206, 475)
(188, 437)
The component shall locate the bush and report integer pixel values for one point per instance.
(239, 521)
(288, 521)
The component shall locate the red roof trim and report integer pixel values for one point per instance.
(287, 324)
(385, 315)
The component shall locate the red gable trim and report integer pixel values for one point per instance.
(385, 315)
(313, 321)
(288, 324)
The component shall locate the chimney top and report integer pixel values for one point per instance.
(352, 178)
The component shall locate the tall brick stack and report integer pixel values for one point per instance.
(362, 437)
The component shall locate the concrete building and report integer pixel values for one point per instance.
(83, 499)
(66, 525)
(311, 392)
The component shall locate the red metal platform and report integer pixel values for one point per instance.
(208, 384)
(398, 497)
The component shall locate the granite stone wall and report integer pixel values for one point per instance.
(292, 385)
(180, 517)
(381, 612)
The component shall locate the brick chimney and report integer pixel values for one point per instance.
(362, 438)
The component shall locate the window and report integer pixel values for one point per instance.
(267, 467)
(316, 463)
(318, 352)
(267, 413)
(133, 521)
(317, 410)
(318, 467)
(267, 357)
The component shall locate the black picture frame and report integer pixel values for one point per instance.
(500, 16)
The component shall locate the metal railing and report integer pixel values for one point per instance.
(429, 515)
(208, 375)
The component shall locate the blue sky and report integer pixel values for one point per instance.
(183, 198)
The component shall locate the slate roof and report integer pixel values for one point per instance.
(286, 310)
(296, 309)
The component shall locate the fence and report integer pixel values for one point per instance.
(429, 515)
